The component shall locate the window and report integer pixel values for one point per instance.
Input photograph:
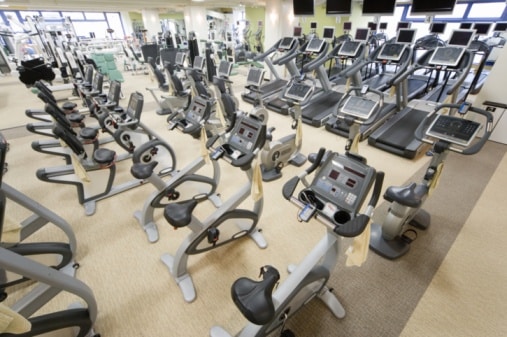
(492, 10)
(94, 16)
(73, 15)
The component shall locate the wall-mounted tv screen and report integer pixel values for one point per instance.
(303, 7)
(372, 26)
(429, 7)
(338, 7)
(500, 27)
(298, 31)
(465, 25)
(313, 25)
(378, 7)
(347, 25)
(482, 28)
(403, 25)
(383, 26)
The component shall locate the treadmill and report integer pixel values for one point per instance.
(453, 62)
(320, 109)
(397, 54)
(315, 47)
(287, 46)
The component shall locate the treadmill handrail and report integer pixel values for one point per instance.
(463, 72)
(271, 50)
(420, 63)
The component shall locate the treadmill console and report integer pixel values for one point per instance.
(180, 59)
(447, 56)
(349, 48)
(314, 46)
(298, 92)
(453, 129)
(340, 187)
(286, 43)
(360, 107)
(391, 51)
(254, 77)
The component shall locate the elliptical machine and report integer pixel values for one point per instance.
(446, 133)
(334, 197)
(278, 153)
(228, 222)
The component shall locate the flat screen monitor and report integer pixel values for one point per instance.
(303, 7)
(372, 26)
(313, 25)
(362, 34)
(403, 24)
(347, 26)
(286, 43)
(383, 26)
(224, 68)
(315, 45)
(378, 7)
(338, 7)
(328, 33)
(465, 25)
(431, 7)
(500, 27)
(298, 31)
(406, 36)
(438, 27)
(461, 37)
(482, 28)
(254, 77)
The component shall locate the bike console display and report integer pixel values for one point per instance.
(340, 187)
(453, 129)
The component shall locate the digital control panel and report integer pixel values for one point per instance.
(358, 106)
(245, 135)
(298, 91)
(454, 129)
(342, 184)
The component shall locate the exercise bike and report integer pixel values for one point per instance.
(445, 133)
(334, 197)
(170, 191)
(276, 154)
(228, 222)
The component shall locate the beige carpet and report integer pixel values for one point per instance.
(137, 297)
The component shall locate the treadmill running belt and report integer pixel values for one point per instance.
(405, 129)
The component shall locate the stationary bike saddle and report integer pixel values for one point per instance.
(143, 170)
(253, 298)
(411, 195)
(179, 214)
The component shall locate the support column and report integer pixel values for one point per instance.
(195, 21)
(279, 22)
(151, 22)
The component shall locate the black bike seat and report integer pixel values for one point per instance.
(411, 195)
(143, 170)
(88, 133)
(179, 214)
(254, 298)
(104, 156)
(69, 106)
